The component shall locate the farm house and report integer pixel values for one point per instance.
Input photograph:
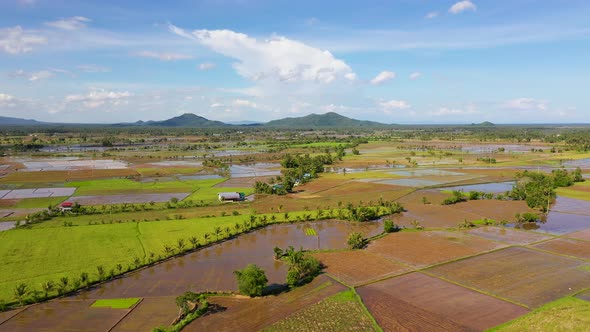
(231, 196)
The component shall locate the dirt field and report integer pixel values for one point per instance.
(570, 205)
(262, 312)
(64, 315)
(417, 302)
(492, 209)
(432, 216)
(424, 248)
(582, 235)
(540, 277)
(359, 267)
(507, 235)
(150, 313)
(570, 247)
(128, 198)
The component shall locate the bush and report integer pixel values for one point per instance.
(251, 280)
(356, 241)
(390, 227)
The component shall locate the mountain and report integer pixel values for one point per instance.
(330, 119)
(185, 120)
(8, 121)
(484, 124)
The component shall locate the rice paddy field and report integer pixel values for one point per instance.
(154, 229)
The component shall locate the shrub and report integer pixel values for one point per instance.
(390, 227)
(251, 280)
(356, 241)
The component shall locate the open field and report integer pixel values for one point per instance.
(582, 235)
(124, 303)
(72, 315)
(119, 199)
(359, 267)
(263, 312)
(417, 302)
(508, 235)
(22, 179)
(126, 186)
(521, 275)
(567, 314)
(149, 313)
(340, 312)
(570, 247)
(424, 248)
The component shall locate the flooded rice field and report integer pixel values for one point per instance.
(487, 148)
(255, 170)
(36, 193)
(128, 198)
(69, 163)
(582, 163)
(497, 187)
(211, 268)
(4, 226)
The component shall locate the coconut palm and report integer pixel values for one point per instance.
(47, 287)
(194, 241)
(180, 244)
(20, 291)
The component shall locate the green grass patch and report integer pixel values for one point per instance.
(32, 203)
(116, 303)
(120, 186)
(566, 314)
(573, 193)
(310, 232)
(166, 171)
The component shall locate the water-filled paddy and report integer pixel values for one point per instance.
(255, 170)
(498, 187)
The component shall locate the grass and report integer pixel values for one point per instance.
(121, 186)
(566, 314)
(339, 312)
(31, 203)
(116, 303)
(166, 171)
(310, 232)
(208, 194)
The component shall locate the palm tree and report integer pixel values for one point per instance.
(206, 236)
(20, 291)
(119, 267)
(47, 287)
(63, 285)
(84, 279)
(194, 241)
(100, 270)
(180, 245)
(137, 261)
(237, 227)
(227, 231)
(168, 250)
(217, 231)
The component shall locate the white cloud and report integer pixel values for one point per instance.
(17, 41)
(244, 103)
(164, 56)
(97, 98)
(70, 23)
(462, 6)
(33, 76)
(394, 104)
(415, 75)
(93, 69)
(4, 98)
(206, 66)
(216, 105)
(431, 15)
(449, 111)
(383, 77)
(277, 58)
(526, 104)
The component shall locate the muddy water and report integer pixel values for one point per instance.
(498, 187)
(566, 216)
(211, 268)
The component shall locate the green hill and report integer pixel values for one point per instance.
(185, 120)
(330, 119)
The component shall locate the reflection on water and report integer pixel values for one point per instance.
(498, 187)
(211, 268)
(255, 169)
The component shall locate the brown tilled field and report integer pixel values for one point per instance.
(582, 235)
(148, 314)
(522, 275)
(417, 302)
(433, 216)
(424, 248)
(64, 315)
(570, 247)
(359, 267)
(493, 209)
(508, 235)
(245, 314)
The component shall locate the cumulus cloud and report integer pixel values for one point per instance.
(415, 75)
(383, 77)
(216, 105)
(206, 66)
(17, 41)
(244, 103)
(277, 58)
(526, 104)
(70, 23)
(462, 6)
(394, 104)
(5, 98)
(431, 15)
(97, 98)
(164, 56)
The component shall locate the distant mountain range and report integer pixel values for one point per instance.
(327, 120)
(8, 121)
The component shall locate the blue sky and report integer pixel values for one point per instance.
(404, 61)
